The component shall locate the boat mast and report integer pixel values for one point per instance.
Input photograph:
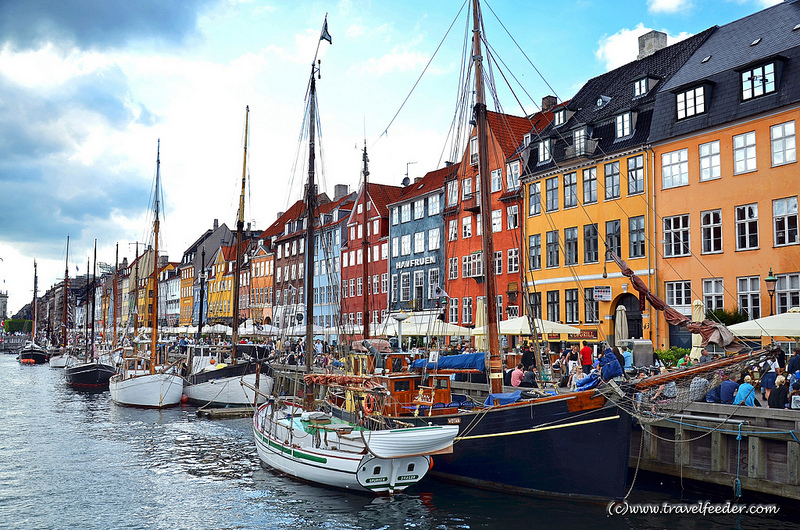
(493, 361)
(135, 296)
(365, 250)
(311, 199)
(154, 319)
(35, 287)
(64, 304)
(94, 279)
(237, 247)
(114, 293)
(202, 289)
(86, 316)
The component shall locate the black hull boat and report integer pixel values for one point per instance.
(89, 376)
(567, 446)
(33, 354)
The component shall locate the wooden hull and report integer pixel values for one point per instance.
(89, 376)
(147, 390)
(33, 354)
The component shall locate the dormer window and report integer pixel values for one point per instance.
(691, 102)
(579, 141)
(527, 140)
(758, 81)
(544, 151)
(640, 87)
(601, 101)
(559, 117)
(473, 150)
(623, 125)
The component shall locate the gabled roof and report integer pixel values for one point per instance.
(381, 196)
(509, 131)
(432, 181)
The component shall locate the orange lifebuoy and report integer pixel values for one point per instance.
(369, 403)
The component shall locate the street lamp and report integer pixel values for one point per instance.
(770, 281)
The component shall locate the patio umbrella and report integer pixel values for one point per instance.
(783, 325)
(481, 341)
(620, 324)
(521, 326)
(698, 315)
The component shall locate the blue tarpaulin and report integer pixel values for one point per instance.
(503, 399)
(463, 361)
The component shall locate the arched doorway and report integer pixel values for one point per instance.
(634, 315)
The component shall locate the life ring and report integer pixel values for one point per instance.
(370, 404)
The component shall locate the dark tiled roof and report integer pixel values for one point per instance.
(730, 49)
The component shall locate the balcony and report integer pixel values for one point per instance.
(471, 202)
(582, 148)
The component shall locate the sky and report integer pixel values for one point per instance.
(89, 87)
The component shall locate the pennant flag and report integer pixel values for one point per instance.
(438, 292)
(325, 35)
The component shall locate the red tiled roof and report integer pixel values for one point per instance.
(511, 130)
(432, 180)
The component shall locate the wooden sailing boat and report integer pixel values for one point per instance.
(314, 446)
(217, 383)
(142, 381)
(32, 353)
(61, 359)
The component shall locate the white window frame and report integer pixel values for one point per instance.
(513, 260)
(758, 81)
(679, 293)
(713, 293)
(452, 233)
(570, 190)
(748, 294)
(419, 242)
(747, 227)
(690, 103)
(434, 239)
(785, 221)
(405, 286)
(782, 139)
(512, 216)
(623, 125)
(452, 193)
(512, 175)
(535, 198)
(497, 180)
(419, 209)
(787, 292)
(711, 231)
(677, 236)
(497, 221)
(675, 169)
(709, 161)
(466, 227)
(744, 153)
(590, 185)
(434, 205)
(544, 151)
(405, 245)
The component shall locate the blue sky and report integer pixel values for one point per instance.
(87, 87)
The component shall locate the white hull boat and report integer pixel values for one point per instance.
(146, 390)
(229, 390)
(317, 448)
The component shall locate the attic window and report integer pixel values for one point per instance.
(601, 101)
(755, 41)
(640, 87)
(559, 117)
(705, 59)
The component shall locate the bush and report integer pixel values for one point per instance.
(727, 317)
(671, 356)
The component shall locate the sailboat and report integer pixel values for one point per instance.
(92, 373)
(315, 446)
(143, 381)
(32, 353)
(217, 383)
(60, 359)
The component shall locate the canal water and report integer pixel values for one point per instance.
(76, 460)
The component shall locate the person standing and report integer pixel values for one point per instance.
(794, 362)
(586, 358)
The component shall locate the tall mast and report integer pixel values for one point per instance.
(64, 304)
(94, 279)
(202, 289)
(86, 315)
(154, 319)
(116, 280)
(311, 199)
(365, 250)
(135, 295)
(237, 247)
(35, 287)
(493, 361)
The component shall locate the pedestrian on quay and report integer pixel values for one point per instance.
(586, 358)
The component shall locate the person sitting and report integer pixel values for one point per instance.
(609, 365)
(628, 356)
(703, 356)
(779, 397)
(618, 355)
(575, 376)
(794, 362)
(686, 362)
(698, 388)
(727, 390)
(529, 378)
(746, 393)
(517, 375)
(794, 396)
(714, 395)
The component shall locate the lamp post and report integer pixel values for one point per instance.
(400, 317)
(770, 281)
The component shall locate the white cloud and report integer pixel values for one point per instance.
(668, 6)
(623, 46)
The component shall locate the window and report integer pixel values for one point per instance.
(405, 213)
(498, 262)
(452, 230)
(675, 169)
(553, 310)
(512, 311)
(535, 198)
(512, 216)
(395, 249)
(466, 227)
(612, 180)
(636, 175)
(784, 215)
(711, 231)
(453, 311)
(419, 242)
(590, 185)
(544, 151)
(709, 161)
(613, 236)
(747, 227)
(497, 180)
(551, 194)
(405, 287)
(676, 236)
(713, 293)
(590, 248)
(640, 87)
(433, 239)
(559, 117)
(571, 306)
(452, 269)
(405, 245)
(783, 143)
(622, 124)
(592, 306)
(579, 141)
(690, 103)
(433, 283)
(433, 205)
(359, 286)
(419, 285)
(352, 287)
(535, 304)
(570, 190)
(473, 150)
(513, 260)
(472, 265)
(384, 282)
(467, 310)
(419, 209)
(552, 248)
(535, 251)
(512, 176)
(787, 292)
(749, 295)
(452, 193)
(571, 246)
(744, 153)
(679, 293)
(497, 220)
(466, 190)
(636, 237)
(758, 81)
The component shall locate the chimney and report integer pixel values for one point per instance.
(417, 179)
(650, 43)
(339, 191)
(280, 214)
(548, 102)
(216, 224)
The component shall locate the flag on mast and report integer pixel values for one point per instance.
(325, 35)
